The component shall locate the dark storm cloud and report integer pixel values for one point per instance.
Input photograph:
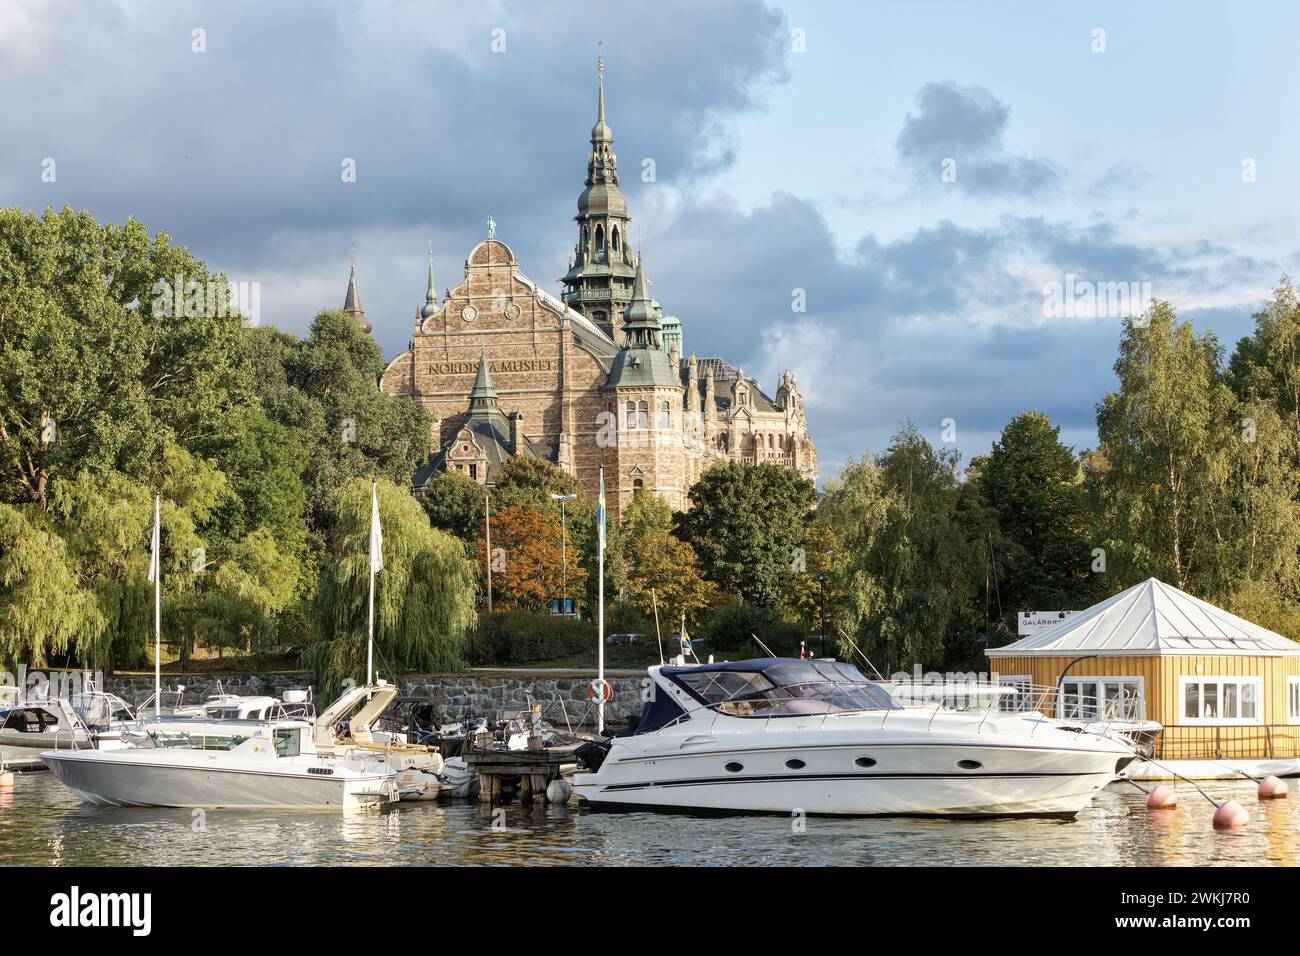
(966, 124)
(237, 151)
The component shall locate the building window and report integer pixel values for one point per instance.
(473, 472)
(643, 415)
(1102, 698)
(1220, 700)
(600, 239)
(665, 416)
(631, 414)
(637, 485)
(1023, 698)
(614, 237)
(1293, 700)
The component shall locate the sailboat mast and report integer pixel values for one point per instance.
(370, 627)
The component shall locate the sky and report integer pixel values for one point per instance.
(910, 206)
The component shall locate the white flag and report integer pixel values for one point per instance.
(154, 548)
(376, 532)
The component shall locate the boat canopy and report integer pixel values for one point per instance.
(776, 687)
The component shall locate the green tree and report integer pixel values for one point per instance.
(455, 503)
(1167, 435)
(328, 395)
(664, 572)
(745, 523)
(1033, 486)
(907, 580)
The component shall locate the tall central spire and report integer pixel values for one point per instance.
(599, 281)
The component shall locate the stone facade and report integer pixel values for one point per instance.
(594, 380)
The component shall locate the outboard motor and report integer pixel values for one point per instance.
(591, 755)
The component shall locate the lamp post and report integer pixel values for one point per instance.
(564, 552)
(821, 576)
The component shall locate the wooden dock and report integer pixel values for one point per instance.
(535, 769)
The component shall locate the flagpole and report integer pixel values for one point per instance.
(370, 640)
(600, 605)
(157, 612)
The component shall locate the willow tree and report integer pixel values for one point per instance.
(424, 596)
(43, 607)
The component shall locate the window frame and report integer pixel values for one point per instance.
(1102, 679)
(1293, 695)
(1221, 681)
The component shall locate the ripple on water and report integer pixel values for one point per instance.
(42, 823)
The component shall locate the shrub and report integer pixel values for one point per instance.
(519, 637)
(729, 634)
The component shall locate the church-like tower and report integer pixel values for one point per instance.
(601, 272)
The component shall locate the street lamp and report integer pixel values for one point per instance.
(564, 552)
(821, 576)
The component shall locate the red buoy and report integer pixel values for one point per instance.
(1229, 815)
(1272, 788)
(1161, 798)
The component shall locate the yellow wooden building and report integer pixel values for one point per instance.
(1224, 689)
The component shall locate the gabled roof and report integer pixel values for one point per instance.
(1152, 619)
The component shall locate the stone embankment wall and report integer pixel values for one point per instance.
(454, 695)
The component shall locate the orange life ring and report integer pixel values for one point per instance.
(606, 692)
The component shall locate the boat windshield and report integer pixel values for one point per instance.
(164, 740)
(785, 689)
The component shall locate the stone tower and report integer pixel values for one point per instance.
(599, 281)
(645, 391)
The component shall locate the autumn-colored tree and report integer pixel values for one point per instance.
(527, 562)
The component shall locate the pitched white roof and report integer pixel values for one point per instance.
(1152, 618)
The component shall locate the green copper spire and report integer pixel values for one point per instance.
(640, 320)
(431, 294)
(482, 397)
(352, 300)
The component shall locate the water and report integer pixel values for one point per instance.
(42, 823)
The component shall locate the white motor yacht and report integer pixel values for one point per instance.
(788, 735)
(232, 764)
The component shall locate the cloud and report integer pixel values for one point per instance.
(450, 112)
(944, 321)
(959, 130)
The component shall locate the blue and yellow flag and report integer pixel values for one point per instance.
(600, 508)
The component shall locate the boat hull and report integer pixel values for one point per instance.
(901, 780)
(112, 780)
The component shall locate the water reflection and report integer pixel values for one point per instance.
(42, 823)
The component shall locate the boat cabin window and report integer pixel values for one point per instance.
(30, 720)
(288, 743)
(786, 689)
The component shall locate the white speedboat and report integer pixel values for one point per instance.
(781, 735)
(233, 764)
(30, 724)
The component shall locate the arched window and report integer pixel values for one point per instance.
(631, 414)
(600, 239)
(637, 485)
(586, 238)
(665, 416)
(613, 235)
(643, 416)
